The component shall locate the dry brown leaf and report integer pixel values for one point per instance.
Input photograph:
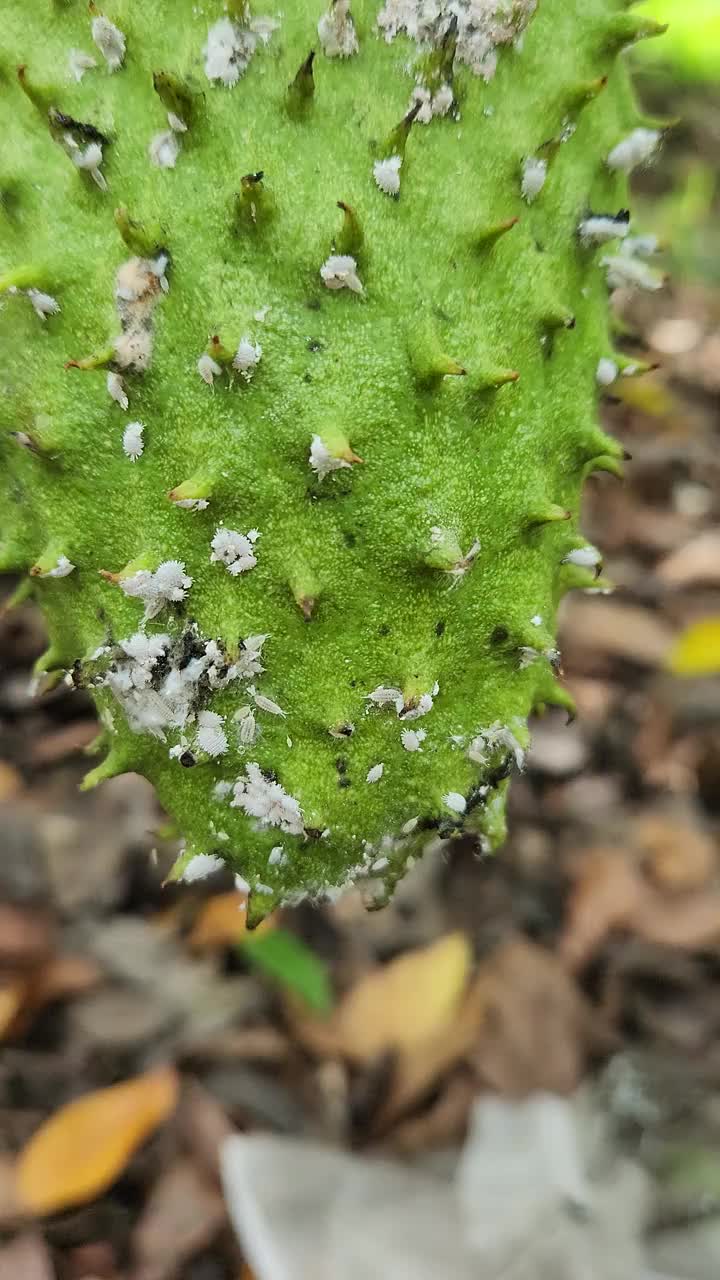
(676, 854)
(26, 1257)
(611, 894)
(12, 998)
(11, 782)
(81, 1149)
(221, 922)
(10, 1211)
(604, 897)
(616, 631)
(182, 1215)
(68, 740)
(522, 1025)
(441, 1125)
(26, 936)
(204, 1125)
(692, 921)
(59, 979)
(536, 1028)
(696, 562)
(403, 1004)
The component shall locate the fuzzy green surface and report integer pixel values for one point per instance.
(476, 462)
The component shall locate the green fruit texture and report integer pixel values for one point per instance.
(305, 324)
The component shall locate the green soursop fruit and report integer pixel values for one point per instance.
(305, 325)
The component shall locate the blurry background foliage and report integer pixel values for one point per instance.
(678, 77)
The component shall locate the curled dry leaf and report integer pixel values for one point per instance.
(611, 894)
(81, 1149)
(676, 854)
(602, 899)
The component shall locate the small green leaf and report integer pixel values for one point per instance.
(284, 958)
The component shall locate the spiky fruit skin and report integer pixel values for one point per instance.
(347, 585)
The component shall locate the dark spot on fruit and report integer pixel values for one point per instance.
(499, 635)
(440, 628)
(187, 760)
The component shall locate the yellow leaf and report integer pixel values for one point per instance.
(221, 922)
(697, 650)
(649, 396)
(80, 1151)
(402, 1004)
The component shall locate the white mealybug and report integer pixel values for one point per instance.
(234, 550)
(176, 124)
(132, 441)
(116, 389)
(638, 147)
(60, 569)
(380, 864)
(644, 246)
(536, 620)
(412, 739)
(211, 737)
(534, 173)
(322, 461)
(164, 149)
(230, 47)
(455, 801)
(202, 865)
(245, 720)
(599, 227)
(383, 695)
(414, 709)
(79, 63)
(277, 856)
(336, 31)
(168, 584)
(247, 357)
(408, 827)
(43, 303)
(606, 372)
(109, 40)
(387, 175)
(586, 557)
(241, 885)
(431, 104)
(631, 273)
(376, 773)
(208, 369)
(460, 568)
(89, 160)
(265, 704)
(339, 271)
(260, 798)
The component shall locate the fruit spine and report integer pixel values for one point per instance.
(307, 323)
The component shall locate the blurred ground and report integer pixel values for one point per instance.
(594, 938)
